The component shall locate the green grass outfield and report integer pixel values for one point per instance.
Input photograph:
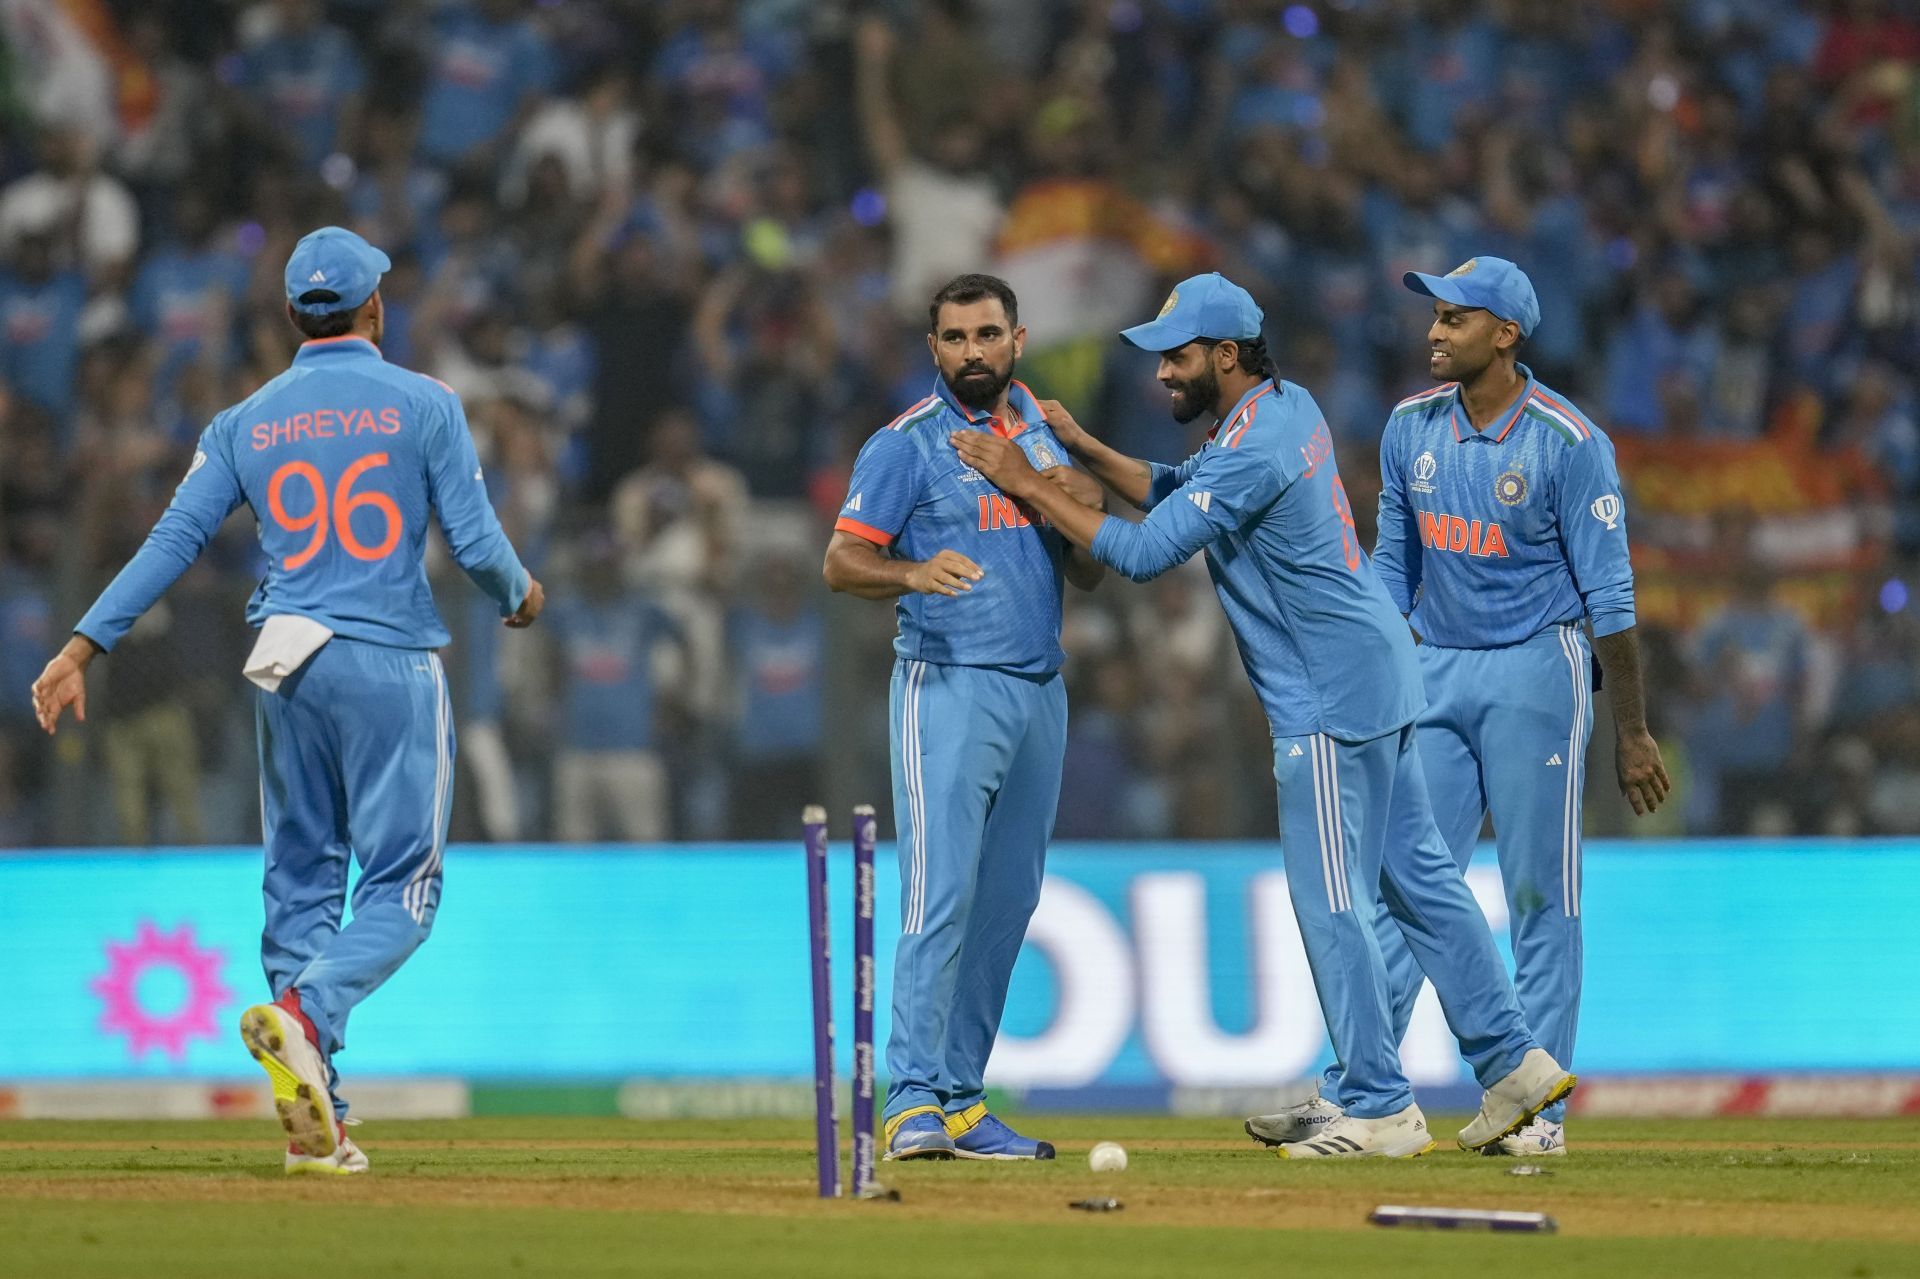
(528, 1196)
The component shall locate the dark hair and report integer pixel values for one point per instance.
(1255, 358)
(331, 325)
(963, 289)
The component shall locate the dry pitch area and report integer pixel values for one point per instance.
(604, 1197)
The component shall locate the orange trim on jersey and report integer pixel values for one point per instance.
(866, 531)
(910, 412)
(344, 337)
(1244, 419)
(1572, 415)
(1515, 414)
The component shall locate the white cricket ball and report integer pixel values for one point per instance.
(1108, 1156)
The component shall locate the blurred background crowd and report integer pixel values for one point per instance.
(675, 256)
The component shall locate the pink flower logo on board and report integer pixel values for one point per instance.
(194, 968)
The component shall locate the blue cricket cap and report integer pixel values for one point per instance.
(1488, 284)
(1206, 306)
(333, 269)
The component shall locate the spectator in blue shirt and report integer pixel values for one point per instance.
(40, 309)
(187, 293)
(1671, 331)
(617, 652)
(779, 644)
(489, 67)
(1753, 657)
(306, 79)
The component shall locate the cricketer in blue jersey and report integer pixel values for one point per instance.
(1503, 537)
(1334, 668)
(342, 459)
(978, 709)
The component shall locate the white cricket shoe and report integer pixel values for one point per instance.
(346, 1160)
(1398, 1136)
(299, 1077)
(1540, 1139)
(1301, 1122)
(1512, 1103)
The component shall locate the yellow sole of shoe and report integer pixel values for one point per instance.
(1560, 1092)
(308, 1123)
(322, 1170)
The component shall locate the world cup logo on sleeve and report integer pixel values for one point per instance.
(1606, 509)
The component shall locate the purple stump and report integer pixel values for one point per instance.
(826, 1123)
(863, 885)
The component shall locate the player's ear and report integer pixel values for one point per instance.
(1019, 340)
(1507, 336)
(1225, 355)
(933, 350)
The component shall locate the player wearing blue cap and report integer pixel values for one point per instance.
(341, 459)
(1503, 536)
(1334, 668)
(978, 709)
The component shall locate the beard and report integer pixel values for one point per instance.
(1197, 395)
(978, 386)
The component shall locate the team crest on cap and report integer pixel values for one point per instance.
(1173, 300)
(1511, 488)
(1465, 268)
(1423, 469)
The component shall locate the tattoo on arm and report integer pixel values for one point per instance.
(1619, 655)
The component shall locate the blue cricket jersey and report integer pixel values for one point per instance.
(1487, 538)
(341, 458)
(910, 491)
(1322, 643)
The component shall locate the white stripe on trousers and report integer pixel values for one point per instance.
(1570, 814)
(911, 770)
(1333, 834)
(414, 898)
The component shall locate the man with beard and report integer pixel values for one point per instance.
(978, 709)
(1333, 665)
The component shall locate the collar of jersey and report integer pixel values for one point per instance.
(1224, 426)
(1496, 431)
(1021, 406)
(346, 344)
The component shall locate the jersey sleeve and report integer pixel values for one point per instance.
(1396, 551)
(210, 492)
(1225, 490)
(1593, 535)
(458, 491)
(887, 479)
(1166, 479)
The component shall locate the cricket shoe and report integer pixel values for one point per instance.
(920, 1133)
(977, 1133)
(278, 1040)
(1302, 1122)
(1511, 1104)
(1542, 1138)
(1402, 1135)
(346, 1160)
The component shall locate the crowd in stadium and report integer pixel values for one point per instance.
(675, 256)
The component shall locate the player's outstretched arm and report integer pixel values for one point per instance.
(1642, 773)
(1084, 571)
(64, 683)
(1003, 463)
(856, 566)
(1130, 477)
